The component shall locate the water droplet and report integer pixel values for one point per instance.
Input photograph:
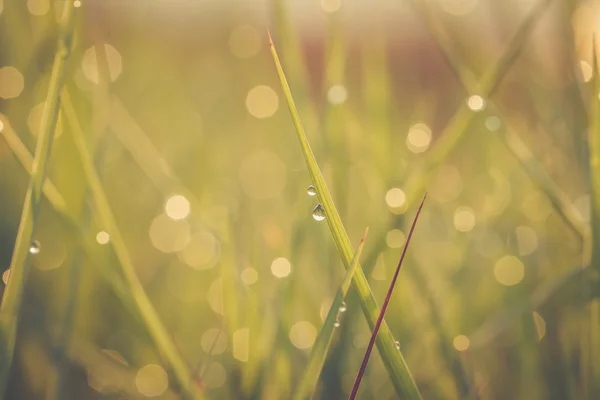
(35, 247)
(311, 190)
(336, 324)
(397, 345)
(343, 307)
(319, 213)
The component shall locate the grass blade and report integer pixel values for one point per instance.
(156, 329)
(392, 358)
(386, 302)
(19, 266)
(318, 354)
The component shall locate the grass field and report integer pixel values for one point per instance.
(184, 201)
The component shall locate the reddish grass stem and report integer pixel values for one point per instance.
(363, 366)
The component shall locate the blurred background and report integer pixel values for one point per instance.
(483, 104)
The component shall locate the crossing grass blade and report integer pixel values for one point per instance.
(318, 353)
(386, 302)
(510, 138)
(19, 266)
(392, 358)
(154, 325)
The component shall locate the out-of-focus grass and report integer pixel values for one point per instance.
(25, 245)
(244, 281)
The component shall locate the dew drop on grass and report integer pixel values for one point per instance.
(311, 190)
(34, 248)
(397, 345)
(319, 213)
(343, 307)
(336, 324)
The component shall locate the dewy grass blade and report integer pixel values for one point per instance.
(318, 353)
(19, 266)
(392, 358)
(386, 302)
(154, 325)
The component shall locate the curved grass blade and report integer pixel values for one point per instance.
(19, 266)
(318, 354)
(156, 329)
(386, 302)
(392, 358)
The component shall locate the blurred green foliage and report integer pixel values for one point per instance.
(180, 98)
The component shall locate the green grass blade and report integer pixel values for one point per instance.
(58, 204)
(392, 358)
(19, 266)
(386, 302)
(318, 353)
(156, 329)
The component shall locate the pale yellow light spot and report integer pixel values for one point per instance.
(5, 276)
(527, 240)
(38, 7)
(262, 175)
(331, 5)
(102, 237)
(77, 4)
(395, 238)
(540, 325)
(509, 271)
(202, 251)
(215, 296)
(244, 41)
(241, 344)
(337, 94)
(168, 235)
(262, 101)
(215, 375)
(1, 125)
(249, 276)
(11, 83)
(281, 267)
(89, 63)
(177, 207)
(476, 103)
(214, 341)
(303, 334)
(151, 380)
(536, 206)
(34, 120)
(418, 138)
(458, 7)
(395, 198)
(586, 71)
(461, 343)
(464, 219)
